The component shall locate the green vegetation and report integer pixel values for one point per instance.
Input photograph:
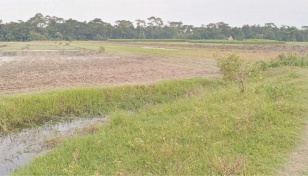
(146, 40)
(41, 45)
(101, 49)
(230, 66)
(290, 60)
(42, 27)
(251, 41)
(187, 127)
(17, 111)
(232, 69)
(178, 127)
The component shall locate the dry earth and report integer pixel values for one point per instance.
(301, 49)
(22, 71)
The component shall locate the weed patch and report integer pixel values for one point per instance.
(290, 60)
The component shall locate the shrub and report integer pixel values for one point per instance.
(232, 68)
(256, 70)
(101, 49)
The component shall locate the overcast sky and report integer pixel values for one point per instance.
(195, 12)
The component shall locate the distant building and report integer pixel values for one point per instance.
(230, 38)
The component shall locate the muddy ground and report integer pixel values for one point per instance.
(17, 149)
(22, 71)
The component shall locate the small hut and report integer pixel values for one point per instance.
(230, 38)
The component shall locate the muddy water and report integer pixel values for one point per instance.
(18, 149)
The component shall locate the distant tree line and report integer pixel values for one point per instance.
(42, 27)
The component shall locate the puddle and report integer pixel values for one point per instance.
(19, 148)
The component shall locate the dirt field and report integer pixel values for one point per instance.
(44, 66)
(22, 71)
(296, 48)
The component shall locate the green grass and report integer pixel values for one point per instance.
(118, 48)
(188, 127)
(290, 60)
(18, 111)
(146, 40)
(42, 45)
(297, 43)
(81, 45)
(251, 41)
(248, 41)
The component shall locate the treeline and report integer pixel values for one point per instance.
(42, 27)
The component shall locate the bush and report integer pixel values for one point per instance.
(230, 67)
(101, 49)
(256, 70)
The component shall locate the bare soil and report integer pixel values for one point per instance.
(22, 71)
(300, 49)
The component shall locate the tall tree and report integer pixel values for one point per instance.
(141, 25)
(124, 29)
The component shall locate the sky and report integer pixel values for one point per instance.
(192, 12)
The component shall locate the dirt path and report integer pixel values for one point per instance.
(46, 71)
(298, 161)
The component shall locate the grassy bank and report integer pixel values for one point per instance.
(184, 127)
(18, 111)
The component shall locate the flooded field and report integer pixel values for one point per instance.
(17, 149)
